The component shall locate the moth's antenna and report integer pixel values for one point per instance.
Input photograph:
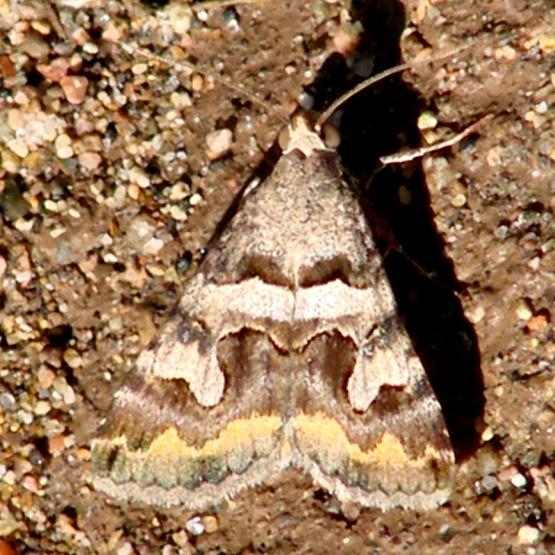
(380, 77)
(414, 154)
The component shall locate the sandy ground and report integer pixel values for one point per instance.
(116, 168)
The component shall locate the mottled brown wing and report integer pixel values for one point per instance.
(285, 349)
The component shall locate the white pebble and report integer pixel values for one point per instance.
(152, 246)
(42, 408)
(139, 68)
(18, 147)
(177, 214)
(136, 175)
(195, 526)
(218, 143)
(126, 549)
(519, 480)
(427, 120)
(476, 315)
(523, 310)
(22, 224)
(458, 200)
(528, 535)
(194, 199)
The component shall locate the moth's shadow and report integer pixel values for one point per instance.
(371, 125)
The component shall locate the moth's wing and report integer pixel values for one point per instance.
(201, 415)
(394, 453)
(161, 445)
(367, 424)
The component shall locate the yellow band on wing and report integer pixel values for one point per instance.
(322, 433)
(237, 433)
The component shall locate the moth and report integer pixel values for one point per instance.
(285, 350)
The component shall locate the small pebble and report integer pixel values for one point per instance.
(181, 539)
(63, 147)
(537, 323)
(202, 15)
(111, 32)
(152, 246)
(9, 477)
(90, 48)
(218, 143)
(42, 26)
(134, 191)
(89, 160)
(45, 377)
(36, 47)
(24, 277)
(210, 524)
(180, 17)
(305, 101)
(181, 99)
(115, 324)
(18, 147)
(73, 360)
(137, 176)
(30, 484)
(56, 445)
(427, 120)
(487, 434)
(547, 43)
(494, 156)
(528, 535)
(15, 119)
(345, 40)
(486, 485)
(64, 390)
(177, 214)
(139, 68)
(542, 107)
(75, 88)
(23, 225)
(523, 310)
(56, 70)
(505, 52)
(476, 315)
(197, 82)
(532, 117)
(50, 205)
(458, 200)
(178, 192)
(42, 408)
(195, 199)
(519, 480)
(24, 417)
(7, 401)
(126, 549)
(194, 526)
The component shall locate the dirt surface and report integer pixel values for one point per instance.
(111, 184)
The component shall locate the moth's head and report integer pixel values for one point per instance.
(304, 135)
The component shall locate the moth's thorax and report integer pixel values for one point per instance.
(301, 135)
(301, 224)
